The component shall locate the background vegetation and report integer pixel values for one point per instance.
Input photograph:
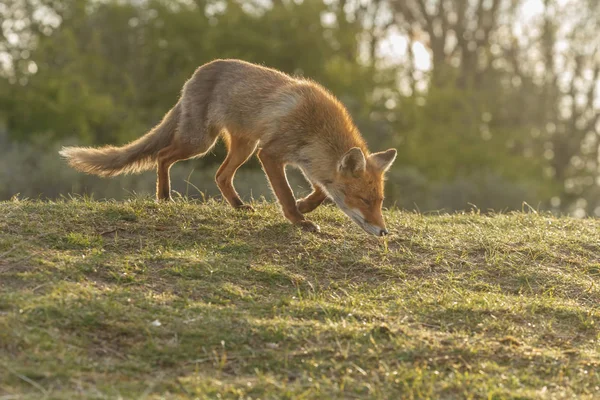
(489, 102)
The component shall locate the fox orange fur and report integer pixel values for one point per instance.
(291, 121)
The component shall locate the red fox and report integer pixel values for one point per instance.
(290, 121)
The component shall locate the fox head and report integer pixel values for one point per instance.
(358, 187)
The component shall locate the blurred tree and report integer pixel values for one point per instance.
(110, 69)
(481, 92)
(521, 89)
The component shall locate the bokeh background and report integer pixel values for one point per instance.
(492, 104)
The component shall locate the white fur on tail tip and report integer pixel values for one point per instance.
(75, 156)
(66, 152)
(69, 153)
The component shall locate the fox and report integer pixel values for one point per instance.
(286, 120)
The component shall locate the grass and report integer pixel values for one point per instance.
(197, 300)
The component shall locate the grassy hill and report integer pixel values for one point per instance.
(140, 300)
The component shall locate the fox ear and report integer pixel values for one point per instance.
(353, 161)
(383, 160)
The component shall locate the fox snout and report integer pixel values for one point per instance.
(373, 229)
(376, 228)
(377, 231)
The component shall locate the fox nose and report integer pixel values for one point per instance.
(383, 232)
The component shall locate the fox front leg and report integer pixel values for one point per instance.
(312, 201)
(239, 151)
(275, 170)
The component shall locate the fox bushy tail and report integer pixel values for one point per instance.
(134, 157)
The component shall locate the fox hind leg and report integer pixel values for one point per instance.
(166, 158)
(239, 151)
(180, 150)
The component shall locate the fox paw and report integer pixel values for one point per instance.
(308, 226)
(245, 207)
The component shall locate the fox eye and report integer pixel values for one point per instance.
(367, 202)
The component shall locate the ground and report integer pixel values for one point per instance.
(197, 300)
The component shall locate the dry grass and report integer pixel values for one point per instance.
(139, 300)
